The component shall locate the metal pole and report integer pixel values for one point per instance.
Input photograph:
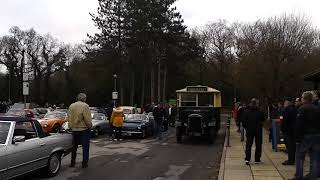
(228, 132)
(9, 86)
(25, 101)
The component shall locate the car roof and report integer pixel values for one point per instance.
(127, 107)
(16, 119)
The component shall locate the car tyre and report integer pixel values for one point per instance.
(95, 132)
(144, 134)
(56, 128)
(54, 165)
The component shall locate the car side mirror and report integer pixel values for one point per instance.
(18, 139)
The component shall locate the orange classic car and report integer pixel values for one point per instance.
(53, 121)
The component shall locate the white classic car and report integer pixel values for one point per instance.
(24, 147)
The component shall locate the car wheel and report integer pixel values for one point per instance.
(56, 128)
(53, 165)
(95, 132)
(144, 134)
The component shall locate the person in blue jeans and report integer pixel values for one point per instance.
(307, 137)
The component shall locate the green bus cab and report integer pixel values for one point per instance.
(198, 112)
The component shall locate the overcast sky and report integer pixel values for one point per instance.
(69, 20)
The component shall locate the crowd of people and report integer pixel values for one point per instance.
(299, 124)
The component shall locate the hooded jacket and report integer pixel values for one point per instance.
(253, 119)
(117, 117)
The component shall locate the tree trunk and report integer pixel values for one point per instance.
(159, 81)
(152, 85)
(46, 88)
(121, 91)
(143, 87)
(164, 83)
(132, 89)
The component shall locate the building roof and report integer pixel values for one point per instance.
(187, 89)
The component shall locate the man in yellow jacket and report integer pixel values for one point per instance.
(80, 122)
(117, 119)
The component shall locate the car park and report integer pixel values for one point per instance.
(26, 113)
(24, 148)
(137, 125)
(100, 125)
(53, 121)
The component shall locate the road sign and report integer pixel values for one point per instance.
(114, 95)
(25, 88)
(25, 77)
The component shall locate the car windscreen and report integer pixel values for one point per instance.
(100, 117)
(4, 130)
(127, 111)
(50, 115)
(135, 117)
(16, 112)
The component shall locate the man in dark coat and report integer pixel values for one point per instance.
(158, 114)
(253, 122)
(308, 137)
(288, 130)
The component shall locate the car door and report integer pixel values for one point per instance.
(26, 156)
(3, 161)
(5, 133)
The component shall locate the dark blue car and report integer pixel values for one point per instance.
(137, 125)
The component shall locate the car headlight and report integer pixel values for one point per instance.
(139, 127)
(45, 126)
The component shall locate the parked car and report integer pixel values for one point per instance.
(137, 124)
(24, 148)
(53, 121)
(41, 112)
(100, 125)
(98, 110)
(61, 110)
(129, 110)
(26, 113)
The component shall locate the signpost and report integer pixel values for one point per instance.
(25, 88)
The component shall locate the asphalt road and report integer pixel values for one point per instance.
(134, 159)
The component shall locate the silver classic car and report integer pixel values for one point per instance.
(24, 147)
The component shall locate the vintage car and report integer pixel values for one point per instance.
(137, 124)
(53, 121)
(129, 110)
(198, 112)
(18, 112)
(24, 148)
(100, 125)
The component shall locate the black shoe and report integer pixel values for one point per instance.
(287, 163)
(84, 165)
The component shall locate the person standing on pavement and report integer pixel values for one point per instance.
(253, 121)
(307, 137)
(288, 129)
(117, 119)
(241, 112)
(158, 114)
(80, 122)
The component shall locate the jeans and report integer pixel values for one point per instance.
(81, 138)
(242, 132)
(256, 136)
(311, 144)
(158, 129)
(117, 132)
(291, 146)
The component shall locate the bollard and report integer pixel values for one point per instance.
(228, 132)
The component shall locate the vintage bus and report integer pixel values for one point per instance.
(198, 112)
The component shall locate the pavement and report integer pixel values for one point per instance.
(146, 159)
(233, 167)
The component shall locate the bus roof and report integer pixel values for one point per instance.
(198, 89)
